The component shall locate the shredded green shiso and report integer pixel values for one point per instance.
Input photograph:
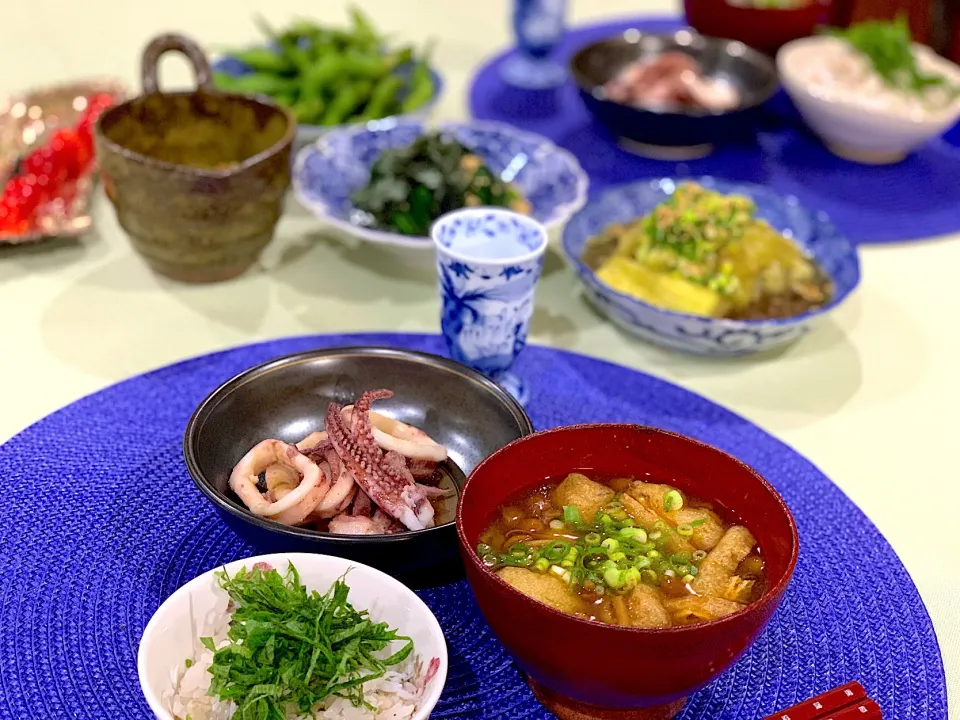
(293, 648)
(889, 47)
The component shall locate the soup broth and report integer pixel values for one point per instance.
(624, 552)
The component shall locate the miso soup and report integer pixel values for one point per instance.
(624, 552)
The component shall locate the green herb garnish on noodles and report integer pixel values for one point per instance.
(889, 47)
(292, 648)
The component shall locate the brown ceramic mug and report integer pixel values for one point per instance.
(197, 178)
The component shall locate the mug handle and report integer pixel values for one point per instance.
(165, 43)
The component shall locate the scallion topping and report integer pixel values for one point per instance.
(609, 555)
(571, 515)
(672, 500)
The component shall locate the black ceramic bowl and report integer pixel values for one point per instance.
(676, 133)
(287, 399)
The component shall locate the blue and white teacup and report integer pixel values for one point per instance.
(489, 261)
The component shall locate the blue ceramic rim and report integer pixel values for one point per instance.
(439, 85)
(531, 223)
(560, 215)
(817, 220)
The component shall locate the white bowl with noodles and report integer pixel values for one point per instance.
(198, 609)
(848, 105)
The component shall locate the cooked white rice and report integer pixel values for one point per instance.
(395, 695)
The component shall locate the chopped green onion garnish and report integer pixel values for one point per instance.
(685, 529)
(698, 523)
(618, 556)
(679, 559)
(592, 538)
(633, 533)
(556, 524)
(613, 578)
(698, 555)
(556, 550)
(189, 662)
(688, 579)
(542, 565)
(571, 515)
(672, 500)
(610, 544)
(653, 554)
(483, 549)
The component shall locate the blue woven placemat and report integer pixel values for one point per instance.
(916, 199)
(102, 523)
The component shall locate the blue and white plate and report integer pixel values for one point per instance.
(813, 232)
(329, 171)
(308, 134)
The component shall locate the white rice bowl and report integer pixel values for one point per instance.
(200, 609)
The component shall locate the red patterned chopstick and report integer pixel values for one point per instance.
(865, 709)
(847, 702)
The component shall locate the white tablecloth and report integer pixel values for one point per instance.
(871, 397)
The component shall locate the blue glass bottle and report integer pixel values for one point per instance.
(539, 26)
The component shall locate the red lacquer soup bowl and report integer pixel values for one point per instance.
(587, 669)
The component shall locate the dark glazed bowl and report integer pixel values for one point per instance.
(197, 178)
(674, 133)
(550, 645)
(766, 29)
(287, 399)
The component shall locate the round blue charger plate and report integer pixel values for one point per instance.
(915, 199)
(102, 523)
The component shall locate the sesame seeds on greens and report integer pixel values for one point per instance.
(291, 648)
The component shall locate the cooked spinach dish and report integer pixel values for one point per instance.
(412, 186)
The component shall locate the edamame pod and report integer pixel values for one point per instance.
(360, 65)
(320, 75)
(308, 111)
(382, 96)
(346, 102)
(255, 83)
(264, 60)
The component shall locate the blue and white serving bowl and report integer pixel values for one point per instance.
(813, 232)
(308, 134)
(326, 173)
